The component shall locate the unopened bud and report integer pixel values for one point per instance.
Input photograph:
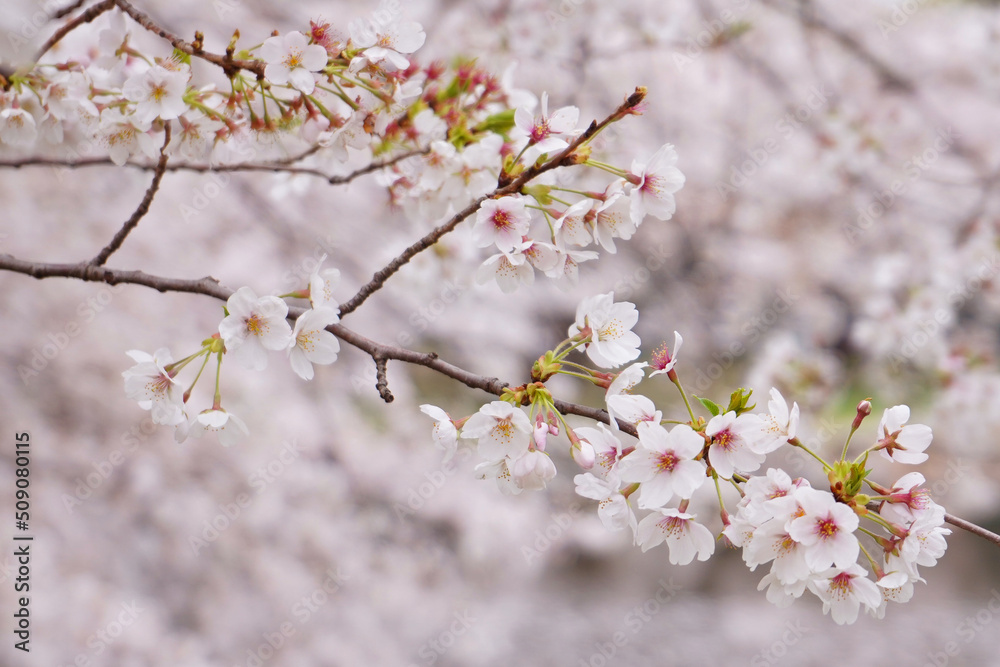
(864, 409)
(584, 454)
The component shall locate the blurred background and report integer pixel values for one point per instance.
(836, 238)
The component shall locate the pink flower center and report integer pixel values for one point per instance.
(501, 220)
(667, 462)
(726, 440)
(661, 358)
(826, 528)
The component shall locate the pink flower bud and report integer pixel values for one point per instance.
(584, 454)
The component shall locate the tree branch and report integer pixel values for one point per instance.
(210, 287)
(284, 166)
(380, 352)
(973, 528)
(143, 207)
(86, 17)
(563, 159)
(69, 9)
(230, 66)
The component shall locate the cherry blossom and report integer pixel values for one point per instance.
(509, 269)
(655, 183)
(778, 427)
(311, 343)
(322, 282)
(292, 60)
(685, 538)
(902, 442)
(545, 133)
(607, 447)
(445, 434)
(731, 437)
(254, 326)
(664, 464)
(17, 127)
(532, 470)
(125, 135)
(613, 508)
(496, 426)
(154, 388)
(158, 93)
(826, 529)
(663, 360)
(612, 342)
(844, 590)
(502, 222)
(386, 43)
(228, 427)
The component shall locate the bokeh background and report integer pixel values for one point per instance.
(791, 262)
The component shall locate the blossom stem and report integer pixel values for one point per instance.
(795, 442)
(871, 560)
(687, 403)
(718, 491)
(606, 167)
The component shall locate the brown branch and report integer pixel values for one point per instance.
(69, 9)
(278, 167)
(86, 17)
(380, 352)
(973, 528)
(564, 159)
(381, 379)
(210, 287)
(143, 207)
(228, 64)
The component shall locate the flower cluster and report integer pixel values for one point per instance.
(253, 327)
(812, 537)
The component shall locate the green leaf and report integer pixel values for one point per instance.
(738, 401)
(711, 406)
(180, 56)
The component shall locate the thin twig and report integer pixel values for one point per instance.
(66, 11)
(142, 209)
(382, 380)
(973, 528)
(230, 66)
(86, 17)
(277, 167)
(563, 159)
